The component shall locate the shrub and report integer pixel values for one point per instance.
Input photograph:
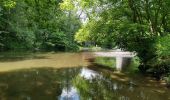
(160, 65)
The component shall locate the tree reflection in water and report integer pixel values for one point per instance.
(73, 84)
(35, 84)
(93, 85)
(69, 94)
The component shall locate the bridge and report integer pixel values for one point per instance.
(123, 58)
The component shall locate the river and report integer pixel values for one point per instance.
(67, 76)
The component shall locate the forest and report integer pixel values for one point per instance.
(36, 25)
(140, 26)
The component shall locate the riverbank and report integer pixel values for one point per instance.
(108, 65)
(125, 76)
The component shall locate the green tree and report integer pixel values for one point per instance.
(132, 25)
(37, 24)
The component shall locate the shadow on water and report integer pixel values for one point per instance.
(74, 84)
(35, 84)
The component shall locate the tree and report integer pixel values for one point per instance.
(37, 24)
(132, 25)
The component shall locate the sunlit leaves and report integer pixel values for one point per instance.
(82, 35)
(9, 3)
(67, 5)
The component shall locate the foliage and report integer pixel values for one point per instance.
(8, 3)
(133, 67)
(132, 25)
(160, 64)
(36, 24)
(163, 46)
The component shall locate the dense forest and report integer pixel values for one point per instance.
(36, 24)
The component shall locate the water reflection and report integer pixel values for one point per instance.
(73, 84)
(35, 84)
(88, 74)
(69, 94)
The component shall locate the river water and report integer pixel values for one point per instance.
(67, 76)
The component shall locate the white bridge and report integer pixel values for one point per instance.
(123, 58)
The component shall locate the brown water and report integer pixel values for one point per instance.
(21, 60)
(65, 76)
